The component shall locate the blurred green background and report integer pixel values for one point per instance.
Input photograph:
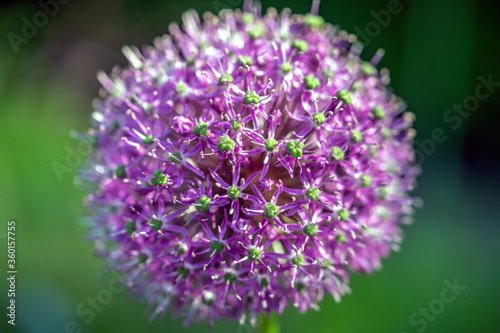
(436, 50)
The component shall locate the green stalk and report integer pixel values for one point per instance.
(269, 324)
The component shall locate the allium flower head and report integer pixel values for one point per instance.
(247, 162)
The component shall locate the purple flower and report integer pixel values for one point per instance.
(246, 163)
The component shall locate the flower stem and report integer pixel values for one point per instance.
(270, 324)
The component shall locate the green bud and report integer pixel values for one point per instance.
(233, 192)
(356, 136)
(225, 79)
(155, 224)
(313, 193)
(130, 227)
(337, 153)
(386, 132)
(201, 129)
(184, 272)
(294, 148)
(300, 45)
(235, 124)
(319, 117)
(180, 249)
(344, 96)
(326, 264)
(245, 60)
(311, 82)
(158, 178)
(148, 107)
(148, 139)
(162, 179)
(271, 210)
(203, 204)
(311, 230)
(120, 171)
(175, 157)
(247, 18)
(153, 181)
(254, 253)
(142, 259)
(343, 214)
(190, 61)
(378, 112)
(251, 97)
(225, 143)
(216, 246)
(286, 67)
(356, 85)
(113, 127)
(350, 65)
(270, 144)
(229, 278)
(180, 87)
(314, 21)
(341, 238)
(382, 193)
(368, 69)
(367, 180)
(328, 73)
(255, 33)
(298, 260)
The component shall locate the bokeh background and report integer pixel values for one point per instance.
(435, 49)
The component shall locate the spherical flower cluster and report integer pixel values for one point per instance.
(247, 162)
